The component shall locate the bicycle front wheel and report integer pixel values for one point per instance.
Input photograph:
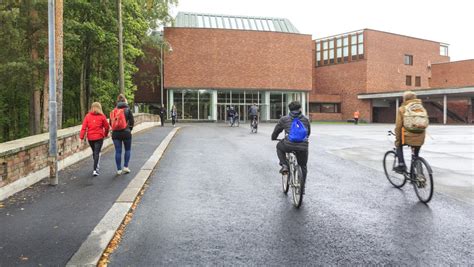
(422, 176)
(298, 185)
(285, 182)
(390, 161)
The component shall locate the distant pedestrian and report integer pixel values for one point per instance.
(96, 128)
(356, 117)
(162, 115)
(174, 115)
(121, 121)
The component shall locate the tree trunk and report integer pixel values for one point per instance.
(59, 59)
(82, 91)
(46, 95)
(120, 48)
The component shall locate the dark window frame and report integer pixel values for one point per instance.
(318, 107)
(408, 81)
(417, 81)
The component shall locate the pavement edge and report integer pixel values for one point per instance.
(93, 247)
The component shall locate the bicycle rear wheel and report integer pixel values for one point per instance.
(390, 161)
(422, 176)
(298, 185)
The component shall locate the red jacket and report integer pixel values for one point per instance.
(96, 126)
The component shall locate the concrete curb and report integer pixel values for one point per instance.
(91, 250)
(32, 178)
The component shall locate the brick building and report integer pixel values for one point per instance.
(222, 61)
(219, 61)
(369, 70)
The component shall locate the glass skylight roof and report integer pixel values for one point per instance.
(197, 20)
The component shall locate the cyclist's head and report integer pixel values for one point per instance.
(231, 107)
(294, 106)
(409, 95)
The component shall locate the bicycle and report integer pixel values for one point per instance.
(254, 125)
(234, 121)
(293, 179)
(420, 174)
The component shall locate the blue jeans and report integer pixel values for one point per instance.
(118, 152)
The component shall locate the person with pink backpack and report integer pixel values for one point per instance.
(121, 122)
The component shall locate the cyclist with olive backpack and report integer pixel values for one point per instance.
(411, 123)
(297, 130)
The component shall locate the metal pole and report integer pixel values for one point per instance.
(397, 104)
(53, 131)
(445, 109)
(161, 73)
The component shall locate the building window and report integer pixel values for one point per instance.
(354, 46)
(408, 60)
(324, 108)
(408, 80)
(418, 81)
(326, 52)
(443, 50)
(345, 49)
(318, 54)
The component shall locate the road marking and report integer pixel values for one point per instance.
(91, 250)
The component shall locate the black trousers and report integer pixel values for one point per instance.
(301, 151)
(173, 120)
(252, 117)
(356, 120)
(96, 147)
(162, 119)
(401, 158)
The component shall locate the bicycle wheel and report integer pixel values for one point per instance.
(298, 185)
(390, 160)
(285, 182)
(422, 176)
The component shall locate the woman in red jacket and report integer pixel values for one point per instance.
(97, 128)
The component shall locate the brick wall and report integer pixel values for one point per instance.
(345, 81)
(453, 74)
(20, 157)
(325, 116)
(385, 53)
(220, 58)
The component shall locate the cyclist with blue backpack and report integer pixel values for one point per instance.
(297, 130)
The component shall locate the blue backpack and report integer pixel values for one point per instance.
(298, 132)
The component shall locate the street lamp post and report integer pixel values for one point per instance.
(53, 130)
(161, 67)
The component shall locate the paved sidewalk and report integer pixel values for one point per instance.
(45, 225)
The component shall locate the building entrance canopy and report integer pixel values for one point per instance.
(426, 94)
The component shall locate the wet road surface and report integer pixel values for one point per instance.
(216, 199)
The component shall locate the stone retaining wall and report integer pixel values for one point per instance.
(28, 156)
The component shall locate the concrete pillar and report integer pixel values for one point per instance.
(303, 102)
(171, 102)
(214, 105)
(266, 105)
(445, 109)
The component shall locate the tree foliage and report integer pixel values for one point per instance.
(90, 56)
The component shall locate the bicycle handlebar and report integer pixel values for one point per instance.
(391, 133)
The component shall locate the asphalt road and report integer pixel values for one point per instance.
(45, 225)
(216, 199)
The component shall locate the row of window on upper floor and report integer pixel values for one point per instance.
(340, 49)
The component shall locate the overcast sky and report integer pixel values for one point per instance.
(448, 21)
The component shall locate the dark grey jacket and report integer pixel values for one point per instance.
(285, 124)
(253, 111)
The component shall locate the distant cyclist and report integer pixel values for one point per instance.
(231, 114)
(411, 123)
(299, 144)
(253, 113)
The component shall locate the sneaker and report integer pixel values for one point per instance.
(400, 169)
(284, 169)
(126, 170)
(95, 173)
(119, 172)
